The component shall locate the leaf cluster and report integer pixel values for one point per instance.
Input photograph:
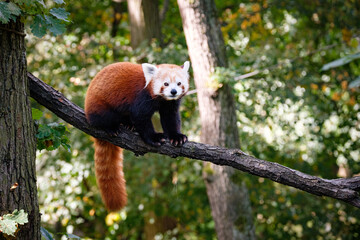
(52, 135)
(44, 17)
(9, 223)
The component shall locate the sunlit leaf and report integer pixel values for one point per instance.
(355, 83)
(14, 9)
(59, 1)
(36, 113)
(46, 234)
(341, 61)
(60, 13)
(55, 25)
(41, 2)
(4, 12)
(9, 222)
(8, 227)
(72, 236)
(38, 28)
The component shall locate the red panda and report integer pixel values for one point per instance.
(129, 94)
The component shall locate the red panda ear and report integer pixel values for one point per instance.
(186, 66)
(149, 72)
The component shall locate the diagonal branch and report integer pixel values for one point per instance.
(341, 189)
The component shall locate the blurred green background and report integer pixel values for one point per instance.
(291, 113)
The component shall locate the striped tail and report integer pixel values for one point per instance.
(110, 175)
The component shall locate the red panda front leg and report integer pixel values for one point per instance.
(140, 113)
(144, 127)
(171, 123)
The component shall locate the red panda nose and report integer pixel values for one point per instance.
(173, 92)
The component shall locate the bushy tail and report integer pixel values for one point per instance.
(110, 175)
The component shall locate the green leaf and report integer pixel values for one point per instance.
(44, 131)
(5, 13)
(59, 1)
(46, 234)
(60, 13)
(341, 61)
(72, 236)
(65, 145)
(355, 83)
(42, 3)
(38, 28)
(56, 26)
(20, 217)
(36, 113)
(9, 222)
(56, 143)
(8, 227)
(14, 9)
(41, 145)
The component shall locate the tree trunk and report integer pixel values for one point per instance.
(118, 8)
(17, 140)
(229, 202)
(144, 21)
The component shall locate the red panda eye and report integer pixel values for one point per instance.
(166, 84)
(179, 83)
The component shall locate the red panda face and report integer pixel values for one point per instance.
(170, 82)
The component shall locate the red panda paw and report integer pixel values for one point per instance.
(156, 139)
(178, 139)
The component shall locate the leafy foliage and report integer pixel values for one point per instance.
(341, 61)
(44, 18)
(290, 112)
(8, 11)
(9, 223)
(45, 233)
(51, 136)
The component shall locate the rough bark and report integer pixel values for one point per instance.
(144, 21)
(17, 140)
(346, 190)
(229, 202)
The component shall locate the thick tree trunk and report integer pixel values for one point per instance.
(17, 140)
(229, 202)
(144, 21)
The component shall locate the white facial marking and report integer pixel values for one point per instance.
(149, 72)
(172, 92)
(170, 83)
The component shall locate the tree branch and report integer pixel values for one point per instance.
(341, 189)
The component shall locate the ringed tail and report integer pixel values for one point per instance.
(110, 175)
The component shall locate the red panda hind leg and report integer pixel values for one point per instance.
(110, 175)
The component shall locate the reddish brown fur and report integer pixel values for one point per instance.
(124, 79)
(109, 174)
(113, 86)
